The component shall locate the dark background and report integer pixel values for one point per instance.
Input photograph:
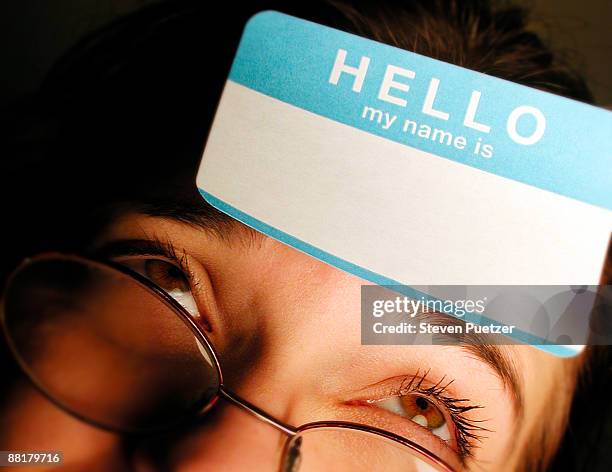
(34, 33)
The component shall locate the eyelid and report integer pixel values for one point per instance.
(143, 247)
(148, 257)
(393, 386)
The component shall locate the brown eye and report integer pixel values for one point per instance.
(167, 276)
(422, 411)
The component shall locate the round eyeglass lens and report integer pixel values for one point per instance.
(352, 450)
(105, 347)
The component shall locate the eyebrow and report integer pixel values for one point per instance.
(489, 349)
(192, 210)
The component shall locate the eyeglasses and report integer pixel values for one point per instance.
(113, 349)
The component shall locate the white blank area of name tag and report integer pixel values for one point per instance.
(399, 212)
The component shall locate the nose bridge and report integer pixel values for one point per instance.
(257, 412)
(230, 438)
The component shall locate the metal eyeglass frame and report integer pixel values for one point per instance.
(222, 390)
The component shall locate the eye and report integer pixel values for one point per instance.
(419, 409)
(167, 276)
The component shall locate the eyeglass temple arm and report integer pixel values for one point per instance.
(257, 412)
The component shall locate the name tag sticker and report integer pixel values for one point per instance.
(405, 170)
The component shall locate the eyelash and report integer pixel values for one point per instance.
(467, 431)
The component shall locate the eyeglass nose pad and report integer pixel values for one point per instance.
(293, 458)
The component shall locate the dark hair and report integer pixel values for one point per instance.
(124, 115)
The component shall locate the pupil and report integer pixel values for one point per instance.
(175, 273)
(422, 403)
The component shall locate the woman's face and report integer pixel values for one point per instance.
(287, 330)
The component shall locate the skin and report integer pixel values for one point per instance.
(287, 330)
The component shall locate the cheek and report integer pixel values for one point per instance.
(32, 423)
